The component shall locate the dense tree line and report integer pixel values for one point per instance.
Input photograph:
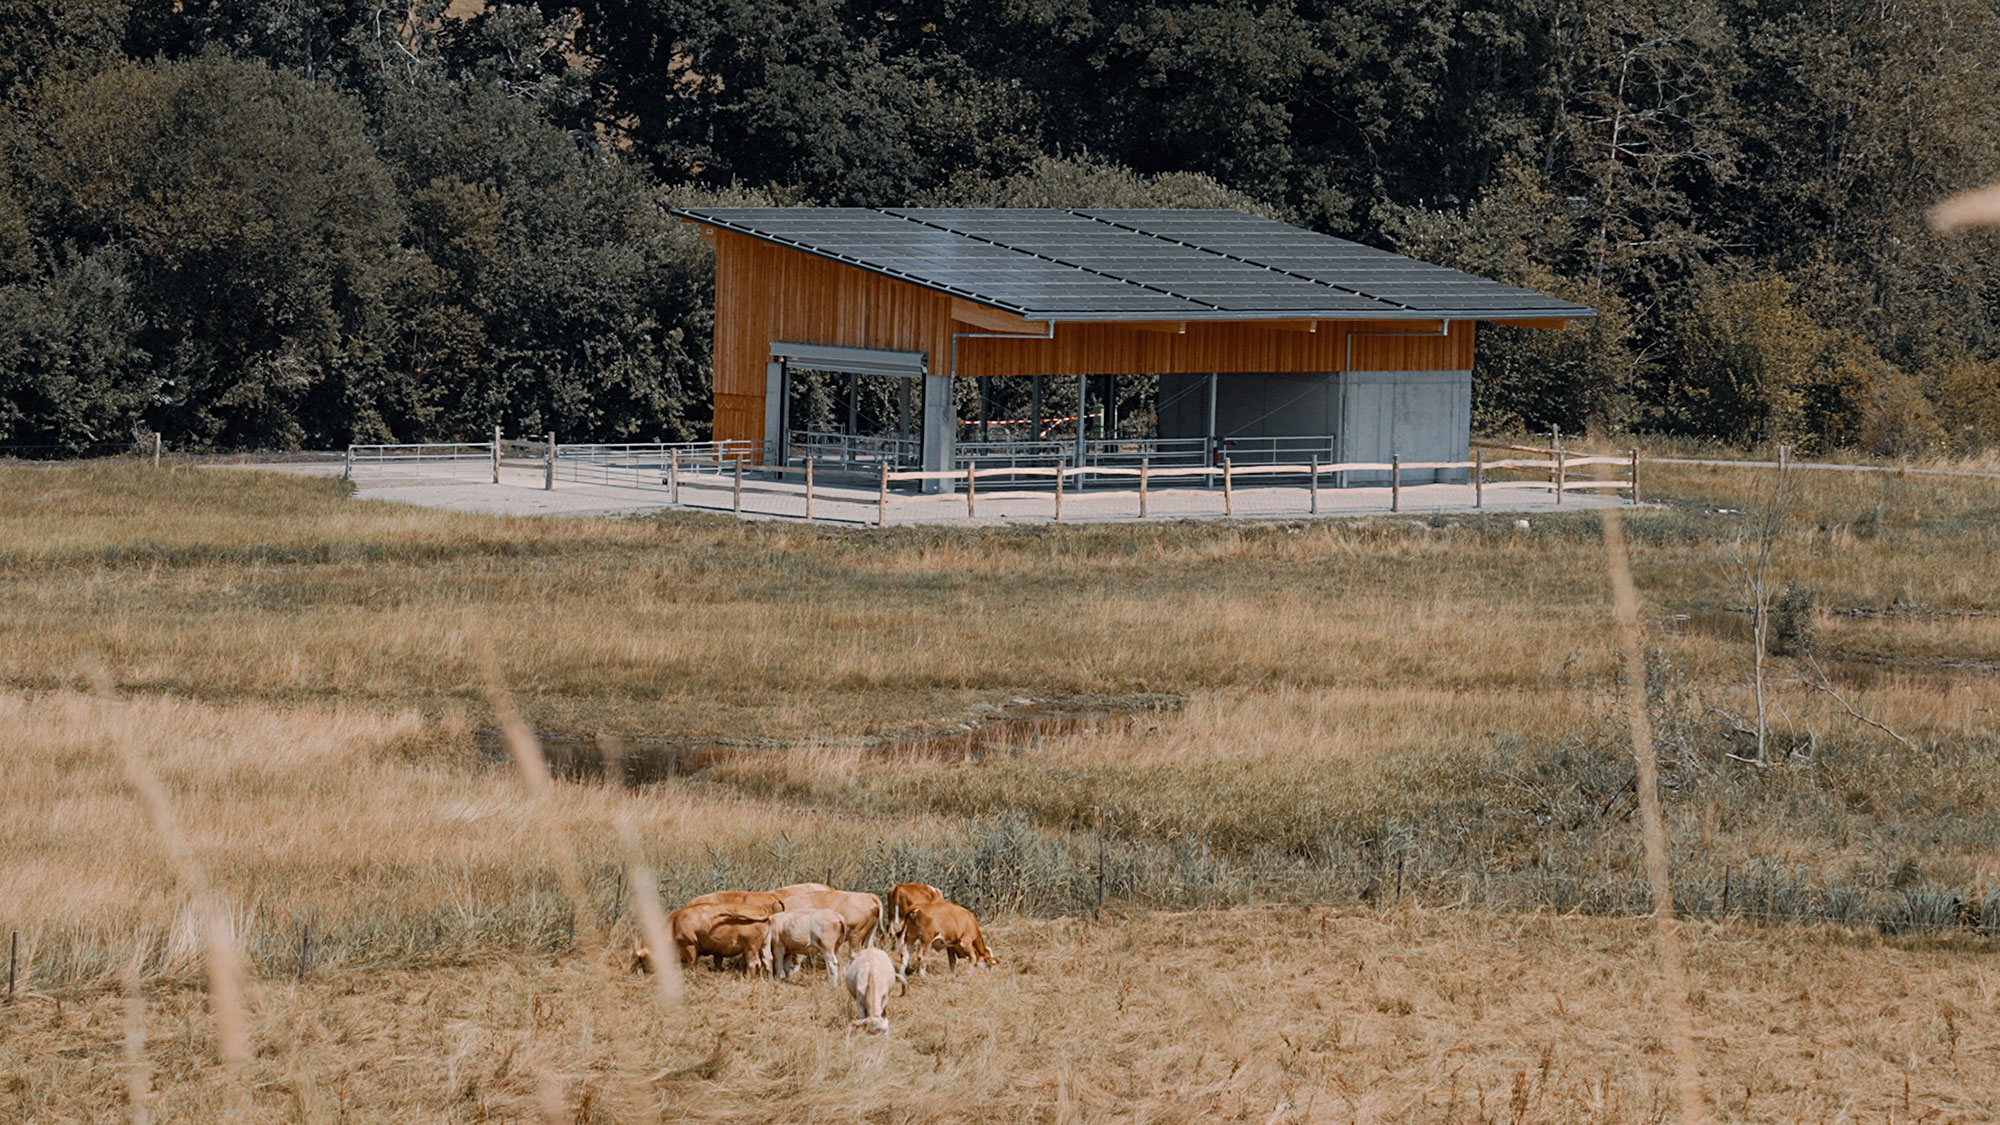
(304, 222)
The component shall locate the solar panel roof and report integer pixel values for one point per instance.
(1135, 264)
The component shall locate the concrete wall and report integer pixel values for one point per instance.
(1422, 415)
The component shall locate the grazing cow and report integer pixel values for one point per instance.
(720, 930)
(903, 898)
(948, 926)
(869, 976)
(800, 888)
(741, 898)
(793, 934)
(861, 911)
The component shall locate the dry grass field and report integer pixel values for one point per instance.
(1355, 795)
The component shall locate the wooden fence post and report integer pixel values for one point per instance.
(1228, 490)
(736, 491)
(1315, 485)
(809, 490)
(1479, 478)
(1395, 482)
(549, 465)
(971, 475)
(1059, 484)
(156, 449)
(496, 455)
(882, 498)
(1635, 478)
(674, 477)
(1144, 467)
(347, 473)
(1562, 475)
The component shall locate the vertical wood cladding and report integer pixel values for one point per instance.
(765, 293)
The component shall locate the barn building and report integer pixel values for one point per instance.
(934, 337)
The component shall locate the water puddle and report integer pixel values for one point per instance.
(1853, 667)
(1020, 726)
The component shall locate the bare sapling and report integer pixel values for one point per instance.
(1756, 546)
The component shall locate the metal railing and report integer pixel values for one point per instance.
(855, 450)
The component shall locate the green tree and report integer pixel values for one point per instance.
(260, 231)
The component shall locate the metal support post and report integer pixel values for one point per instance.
(1082, 409)
(1036, 408)
(1395, 482)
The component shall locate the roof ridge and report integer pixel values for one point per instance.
(1239, 258)
(1048, 258)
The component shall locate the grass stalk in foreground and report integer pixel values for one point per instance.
(1680, 1029)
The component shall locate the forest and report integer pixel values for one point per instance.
(282, 224)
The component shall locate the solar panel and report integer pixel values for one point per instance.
(1134, 264)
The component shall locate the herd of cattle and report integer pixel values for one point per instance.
(776, 931)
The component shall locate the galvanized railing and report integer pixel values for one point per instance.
(854, 450)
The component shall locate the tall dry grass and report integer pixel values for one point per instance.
(1268, 1015)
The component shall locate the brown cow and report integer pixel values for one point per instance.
(741, 898)
(800, 888)
(862, 912)
(905, 897)
(948, 926)
(720, 930)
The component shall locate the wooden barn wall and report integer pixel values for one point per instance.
(765, 293)
(1110, 349)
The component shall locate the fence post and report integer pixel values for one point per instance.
(1562, 475)
(882, 498)
(549, 465)
(1479, 478)
(1059, 484)
(736, 491)
(1635, 478)
(347, 473)
(971, 476)
(1395, 482)
(674, 477)
(156, 449)
(496, 455)
(1228, 490)
(1145, 464)
(1315, 485)
(809, 490)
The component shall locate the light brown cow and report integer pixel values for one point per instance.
(794, 934)
(720, 930)
(741, 898)
(800, 888)
(869, 976)
(904, 897)
(862, 912)
(948, 926)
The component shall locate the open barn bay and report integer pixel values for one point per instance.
(1354, 797)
